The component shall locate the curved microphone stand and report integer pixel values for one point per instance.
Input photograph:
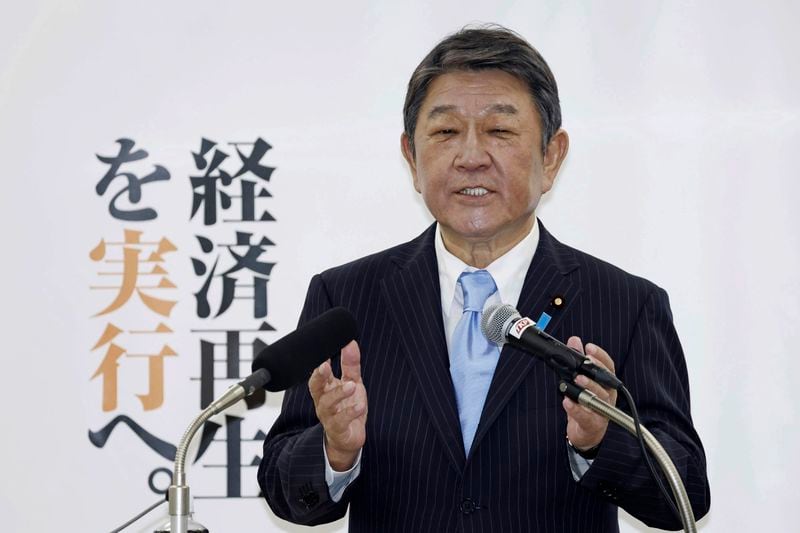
(590, 400)
(178, 493)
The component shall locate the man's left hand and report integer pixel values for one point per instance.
(585, 428)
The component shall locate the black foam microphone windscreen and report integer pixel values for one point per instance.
(291, 359)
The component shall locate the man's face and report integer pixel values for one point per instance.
(478, 161)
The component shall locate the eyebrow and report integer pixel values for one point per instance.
(441, 110)
(505, 109)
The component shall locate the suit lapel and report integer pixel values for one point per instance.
(546, 278)
(413, 299)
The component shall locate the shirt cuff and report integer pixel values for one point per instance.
(339, 481)
(579, 465)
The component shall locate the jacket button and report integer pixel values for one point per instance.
(467, 506)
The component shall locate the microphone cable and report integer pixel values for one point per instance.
(138, 516)
(646, 454)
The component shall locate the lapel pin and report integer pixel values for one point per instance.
(557, 302)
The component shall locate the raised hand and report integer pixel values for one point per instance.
(341, 406)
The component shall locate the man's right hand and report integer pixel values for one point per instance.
(341, 406)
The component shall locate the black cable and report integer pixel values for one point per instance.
(138, 516)
(646, 455)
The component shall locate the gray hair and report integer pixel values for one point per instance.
(486, 47)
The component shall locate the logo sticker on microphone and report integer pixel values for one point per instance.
(520, 326)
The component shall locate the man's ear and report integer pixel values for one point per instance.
(554, 155)
(408, 154)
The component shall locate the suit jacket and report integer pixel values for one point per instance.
(414, 473)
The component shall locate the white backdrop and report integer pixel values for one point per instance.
(684, 128)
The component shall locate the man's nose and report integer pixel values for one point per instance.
(472, 152)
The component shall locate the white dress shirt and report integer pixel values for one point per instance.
(508, 272)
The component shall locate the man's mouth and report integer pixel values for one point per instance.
(474, 191)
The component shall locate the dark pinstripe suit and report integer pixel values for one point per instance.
(414, 475)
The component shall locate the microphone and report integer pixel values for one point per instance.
(292, 358)
(503, 324)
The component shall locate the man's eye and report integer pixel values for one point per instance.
(501, 131)
(446, 131)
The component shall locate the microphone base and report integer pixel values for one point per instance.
(180, 514)
(191, 527)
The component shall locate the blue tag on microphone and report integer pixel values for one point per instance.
(544, 319)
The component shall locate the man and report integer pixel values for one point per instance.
(431, 428)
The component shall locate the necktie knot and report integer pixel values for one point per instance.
(477, 286)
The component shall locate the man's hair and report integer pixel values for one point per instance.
(482, 48)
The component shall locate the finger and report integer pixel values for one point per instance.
(594, 387)
(579, 416)
(340, 423)
(358, 408)
(583, 427)
(577, 412)
(359, 396)
(351, 418)
(607, 395)
(581, 421)
(599, 356)
(359, 400)
(351, 362)
(575, 343)
(320, 377)
(332, 402)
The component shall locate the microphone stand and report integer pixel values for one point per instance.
(590, 400)
(178, 492)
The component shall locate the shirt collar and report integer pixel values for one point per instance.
(507, 270)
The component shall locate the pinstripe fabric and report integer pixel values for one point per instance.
(415, 476)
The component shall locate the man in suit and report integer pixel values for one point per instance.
(425, 426)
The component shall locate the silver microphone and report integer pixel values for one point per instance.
(503, 324)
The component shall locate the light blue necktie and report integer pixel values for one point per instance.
(472, 357)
